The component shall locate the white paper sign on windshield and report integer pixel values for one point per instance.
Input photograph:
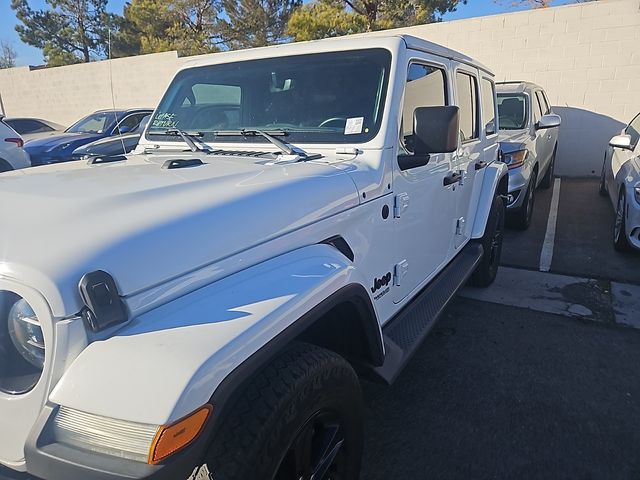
(353, 125)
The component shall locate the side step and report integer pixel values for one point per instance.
(404, 333)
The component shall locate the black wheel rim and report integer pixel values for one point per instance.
(617, 229)
(317, 451)
(530, 199)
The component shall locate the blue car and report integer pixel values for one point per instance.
(101, 124)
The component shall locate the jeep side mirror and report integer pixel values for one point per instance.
(123, 129)
(621, 141)
(435, 129)
(549, 120)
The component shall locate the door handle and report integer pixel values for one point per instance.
(481, 164)
(453, 177)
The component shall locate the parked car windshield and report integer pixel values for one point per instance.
(99, 122)
(512, 111)
(327, 97)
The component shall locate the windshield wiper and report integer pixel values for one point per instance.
(187, 137)
(284, 147)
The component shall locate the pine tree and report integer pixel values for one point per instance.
(67, 31)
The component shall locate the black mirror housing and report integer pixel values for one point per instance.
(435, 129)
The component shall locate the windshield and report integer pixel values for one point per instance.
(328, 97)
(95, 123)
(512, 111)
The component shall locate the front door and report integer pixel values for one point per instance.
(425, 205)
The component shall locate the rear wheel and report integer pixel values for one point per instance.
(522, 218)
(547, 180)
(299, 418)
(487, 269)
(620, 241)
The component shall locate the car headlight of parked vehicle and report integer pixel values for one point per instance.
(515, 159)
(22, 347)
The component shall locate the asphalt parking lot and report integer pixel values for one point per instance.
(534, 378)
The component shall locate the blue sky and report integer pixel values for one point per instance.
(32, 56)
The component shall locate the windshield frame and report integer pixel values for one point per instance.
(293, 134)
(527, 110)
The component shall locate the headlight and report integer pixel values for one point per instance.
(515, 159)
(26, 333)
(22, 347)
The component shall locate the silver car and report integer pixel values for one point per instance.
(620, 180)
(528, 142)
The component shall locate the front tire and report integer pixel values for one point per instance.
(522, 218)
(547, 180)
(486, 271)
(620, 241)
(299, 418)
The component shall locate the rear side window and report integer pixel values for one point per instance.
(467, 89)
(132, 121)
(426, 87)
(488, 106)
(26, 126)
(544, 106)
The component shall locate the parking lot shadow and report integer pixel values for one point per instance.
(583, 138)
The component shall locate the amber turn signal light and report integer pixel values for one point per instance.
(177, 435)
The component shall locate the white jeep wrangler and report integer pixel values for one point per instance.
(293, 217)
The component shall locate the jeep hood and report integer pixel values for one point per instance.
(145, 224)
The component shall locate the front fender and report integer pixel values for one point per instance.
(170, 360)
(495, 180)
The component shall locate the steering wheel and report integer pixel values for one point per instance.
(332, 119)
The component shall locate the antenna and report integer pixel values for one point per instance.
(113, 99)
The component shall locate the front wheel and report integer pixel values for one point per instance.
(299, 418)
(620, 241)
(547, 180)
(521, 219)
(487, 269)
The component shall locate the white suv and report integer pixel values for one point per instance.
(12, 153)
(529, 142)
(293, 217)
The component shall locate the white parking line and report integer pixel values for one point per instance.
(546, 255)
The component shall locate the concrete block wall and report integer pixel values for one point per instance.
(586, 56)
(65, 94)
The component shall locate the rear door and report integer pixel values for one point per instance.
(470, 152)
(425, 207)
(549, 135)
